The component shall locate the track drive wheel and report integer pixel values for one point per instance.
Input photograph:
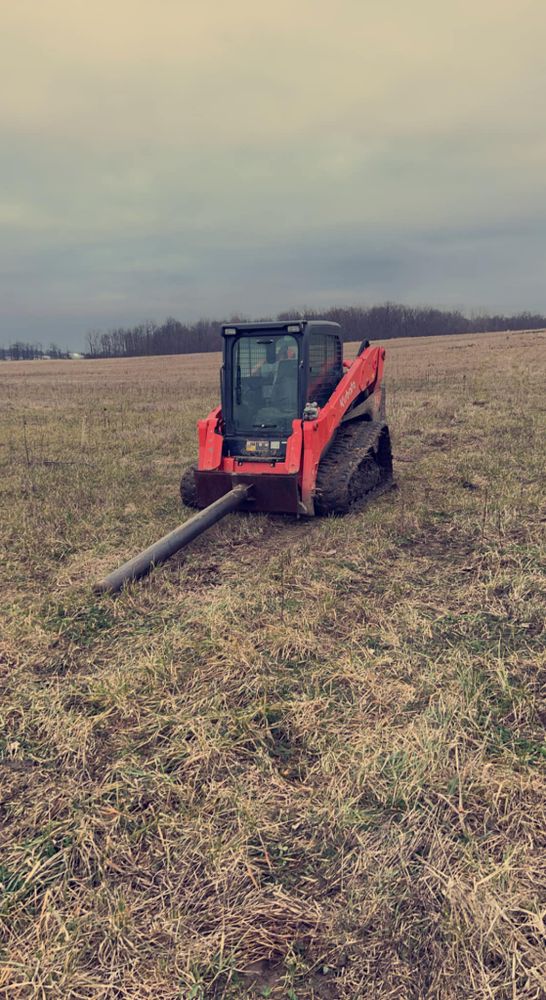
(357, 468)
(188, 489)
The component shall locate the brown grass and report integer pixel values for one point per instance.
(302, 760)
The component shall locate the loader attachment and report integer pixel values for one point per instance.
(166, 547)
(268, 492)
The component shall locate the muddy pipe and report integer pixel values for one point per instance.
(157, 553)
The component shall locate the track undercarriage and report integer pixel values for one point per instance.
(357, 468)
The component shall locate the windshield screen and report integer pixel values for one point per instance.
(265, 383)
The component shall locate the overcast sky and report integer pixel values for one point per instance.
(201, 157)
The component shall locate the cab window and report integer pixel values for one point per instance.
(325, 366)
(265, 383)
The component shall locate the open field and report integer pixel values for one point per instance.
(304, 759)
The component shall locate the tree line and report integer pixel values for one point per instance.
(358, 323)
(21, 351)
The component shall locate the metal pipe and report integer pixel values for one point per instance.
(166, 547)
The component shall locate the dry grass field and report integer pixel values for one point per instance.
(303, 759)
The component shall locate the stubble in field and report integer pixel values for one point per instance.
(303, 759)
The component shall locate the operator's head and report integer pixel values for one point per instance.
(286, 350)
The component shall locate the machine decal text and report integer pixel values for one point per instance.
(344, 399)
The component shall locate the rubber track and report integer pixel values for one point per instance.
(357, 468)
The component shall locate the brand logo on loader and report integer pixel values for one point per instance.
(344, 399)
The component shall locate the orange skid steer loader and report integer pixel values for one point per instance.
(298, 431)
(304, 430)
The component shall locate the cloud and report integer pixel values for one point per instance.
(202, 157)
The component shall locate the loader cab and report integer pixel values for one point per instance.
(270, 371)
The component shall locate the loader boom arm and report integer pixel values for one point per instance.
(363, 375)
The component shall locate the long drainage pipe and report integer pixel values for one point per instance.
(171, 543)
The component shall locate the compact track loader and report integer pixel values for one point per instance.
(298, 431)
(304, 430)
